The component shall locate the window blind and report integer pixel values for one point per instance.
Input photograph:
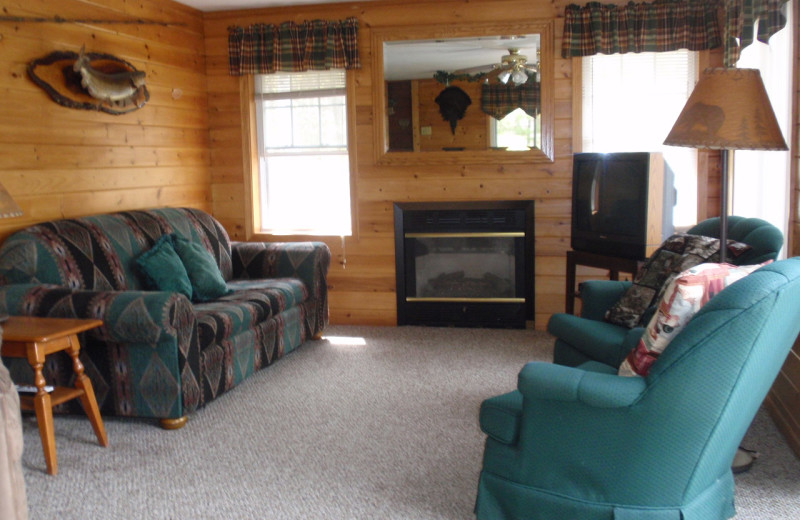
(309, 81)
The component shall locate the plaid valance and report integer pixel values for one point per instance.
(740, 20)
(292, 47)
(500, 100)
(663, 25)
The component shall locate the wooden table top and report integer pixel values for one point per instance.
(33, 329)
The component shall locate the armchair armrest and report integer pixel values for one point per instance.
(546, 381)
(597, 296)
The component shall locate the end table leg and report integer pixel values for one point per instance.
(88, 399)
(92, 410)
(44, 417)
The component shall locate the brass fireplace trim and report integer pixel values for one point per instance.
(464, 300)
(510, 234)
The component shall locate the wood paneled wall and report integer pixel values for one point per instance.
(61, 162)
(784, 398)
(364, 291)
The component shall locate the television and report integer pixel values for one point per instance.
(622, 203)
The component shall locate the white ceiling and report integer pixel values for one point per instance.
(422, 58)
(226, 5)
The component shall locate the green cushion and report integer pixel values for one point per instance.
(204, 275)
(161, 268)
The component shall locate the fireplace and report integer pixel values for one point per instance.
(465, 264)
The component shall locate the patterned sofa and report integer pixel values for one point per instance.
(158, 354)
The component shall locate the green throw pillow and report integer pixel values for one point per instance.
(162, 269)
(207, 281)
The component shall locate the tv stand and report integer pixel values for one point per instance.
(614, 264)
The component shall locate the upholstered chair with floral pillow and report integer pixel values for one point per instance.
(614, 313)
(584, 442)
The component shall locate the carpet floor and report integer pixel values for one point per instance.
(369, 423)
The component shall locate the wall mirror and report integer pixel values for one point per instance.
(473, 93)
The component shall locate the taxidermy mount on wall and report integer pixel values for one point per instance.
(453, 103)
(90, 81)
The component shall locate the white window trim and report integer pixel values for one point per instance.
(251, 169)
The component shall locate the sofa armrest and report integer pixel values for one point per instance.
(598, 296)
(148, 337)
(307, 261)
(303, 260)
(128, 316)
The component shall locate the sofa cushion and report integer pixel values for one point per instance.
(161, 268)
(283, 293)
(230, 315)
(678, 253)
(249, 303)
(204, 274)
(685, 295)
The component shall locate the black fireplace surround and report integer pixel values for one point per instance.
(465, 264)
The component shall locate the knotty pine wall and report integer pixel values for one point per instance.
(364, 291)
(61, 162)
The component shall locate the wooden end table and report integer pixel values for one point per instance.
(33, 339)
(614, 264)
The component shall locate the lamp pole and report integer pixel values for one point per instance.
(723, 214)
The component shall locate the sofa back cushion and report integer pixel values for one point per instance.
(98, 252)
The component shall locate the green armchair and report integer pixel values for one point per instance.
(589, 338)
(583, 442)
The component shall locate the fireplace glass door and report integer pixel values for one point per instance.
(464, 266)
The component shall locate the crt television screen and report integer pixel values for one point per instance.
(611, 194)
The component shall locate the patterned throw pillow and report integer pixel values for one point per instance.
(678, 253)
(685, 295)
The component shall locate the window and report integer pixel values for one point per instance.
(631, 101)
(304, 167)
(760, 185)
(516, 131)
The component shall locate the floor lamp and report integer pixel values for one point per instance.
(728, 110)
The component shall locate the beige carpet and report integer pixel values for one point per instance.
(370, 423)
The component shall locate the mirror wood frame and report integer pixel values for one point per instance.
(427, 32)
